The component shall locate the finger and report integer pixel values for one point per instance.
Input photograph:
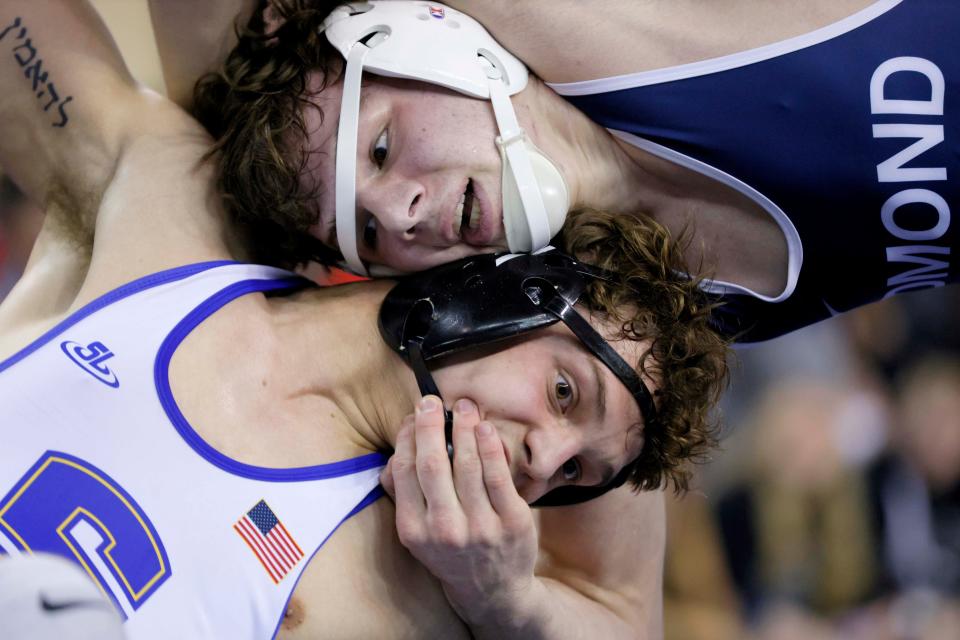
(467, 468)
(433, 462)
(386, 479)
(409, 499)
(408, 423)
(496, 474)
(386, 475)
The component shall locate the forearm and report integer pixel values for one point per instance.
(551, 610)
(599, 574)
(590, 570)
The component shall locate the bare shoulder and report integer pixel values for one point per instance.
(364, 584)
(573, 40)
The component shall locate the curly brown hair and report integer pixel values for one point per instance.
(652, 298)
(253, 106)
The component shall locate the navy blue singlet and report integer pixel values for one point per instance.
(850, 133)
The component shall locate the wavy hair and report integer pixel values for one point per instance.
(653, 299)
(253, 106)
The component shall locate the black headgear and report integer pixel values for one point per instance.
(482, 299)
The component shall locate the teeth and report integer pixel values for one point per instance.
(472, 207)
(467, 213)
(458, 220)
(474, 214)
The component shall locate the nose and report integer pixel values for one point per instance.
(396, 204)
(547, 448)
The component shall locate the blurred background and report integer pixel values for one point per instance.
(832, 509)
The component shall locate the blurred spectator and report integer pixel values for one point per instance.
(20, 221)
(797, 525)
(699, 600)
(916, 491)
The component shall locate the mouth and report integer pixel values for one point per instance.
(475, 222)
(472, 221)
(467, 215)
(471, 216)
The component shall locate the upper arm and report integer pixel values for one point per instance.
(63, 84)
(104, 157)
(568, 40)
(193, 38)
(610, 550)
(574, 40)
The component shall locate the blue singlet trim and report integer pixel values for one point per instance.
(375, 494)
(140, 284)
(161, 373)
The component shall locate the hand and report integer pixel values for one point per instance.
(466, 522)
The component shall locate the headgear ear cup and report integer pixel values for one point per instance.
(553, 193)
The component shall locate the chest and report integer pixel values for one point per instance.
(361, 583)
(364, 584)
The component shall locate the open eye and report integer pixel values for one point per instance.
(370, 232)
(571, 470)
(380, 149)
(563, 391)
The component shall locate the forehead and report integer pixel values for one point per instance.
(378, 92)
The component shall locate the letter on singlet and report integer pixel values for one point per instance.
(892, 169)
(916, 196)
(879, 103)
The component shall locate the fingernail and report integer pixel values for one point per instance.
(484, 429)
(429, 404)
(464, 406)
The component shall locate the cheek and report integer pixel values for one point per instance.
(447, 148)
(458, 133)
(498, 385)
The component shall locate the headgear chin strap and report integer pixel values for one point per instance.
(436, 44)
(483, 299)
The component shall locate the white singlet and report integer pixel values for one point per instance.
(99, 465)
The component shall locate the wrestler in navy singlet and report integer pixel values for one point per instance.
(100, 466)
(849, 136)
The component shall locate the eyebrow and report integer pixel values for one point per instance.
(600, 405)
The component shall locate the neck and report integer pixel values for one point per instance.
(598, 172)
(336, 359)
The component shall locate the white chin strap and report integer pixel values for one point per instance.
(528, 176)
(518, 177)
(346, 177)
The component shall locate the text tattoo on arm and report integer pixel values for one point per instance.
(26, 56)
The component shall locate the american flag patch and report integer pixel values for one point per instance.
(436, 12)
(269, 540)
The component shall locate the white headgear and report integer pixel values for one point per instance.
(439, 45)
